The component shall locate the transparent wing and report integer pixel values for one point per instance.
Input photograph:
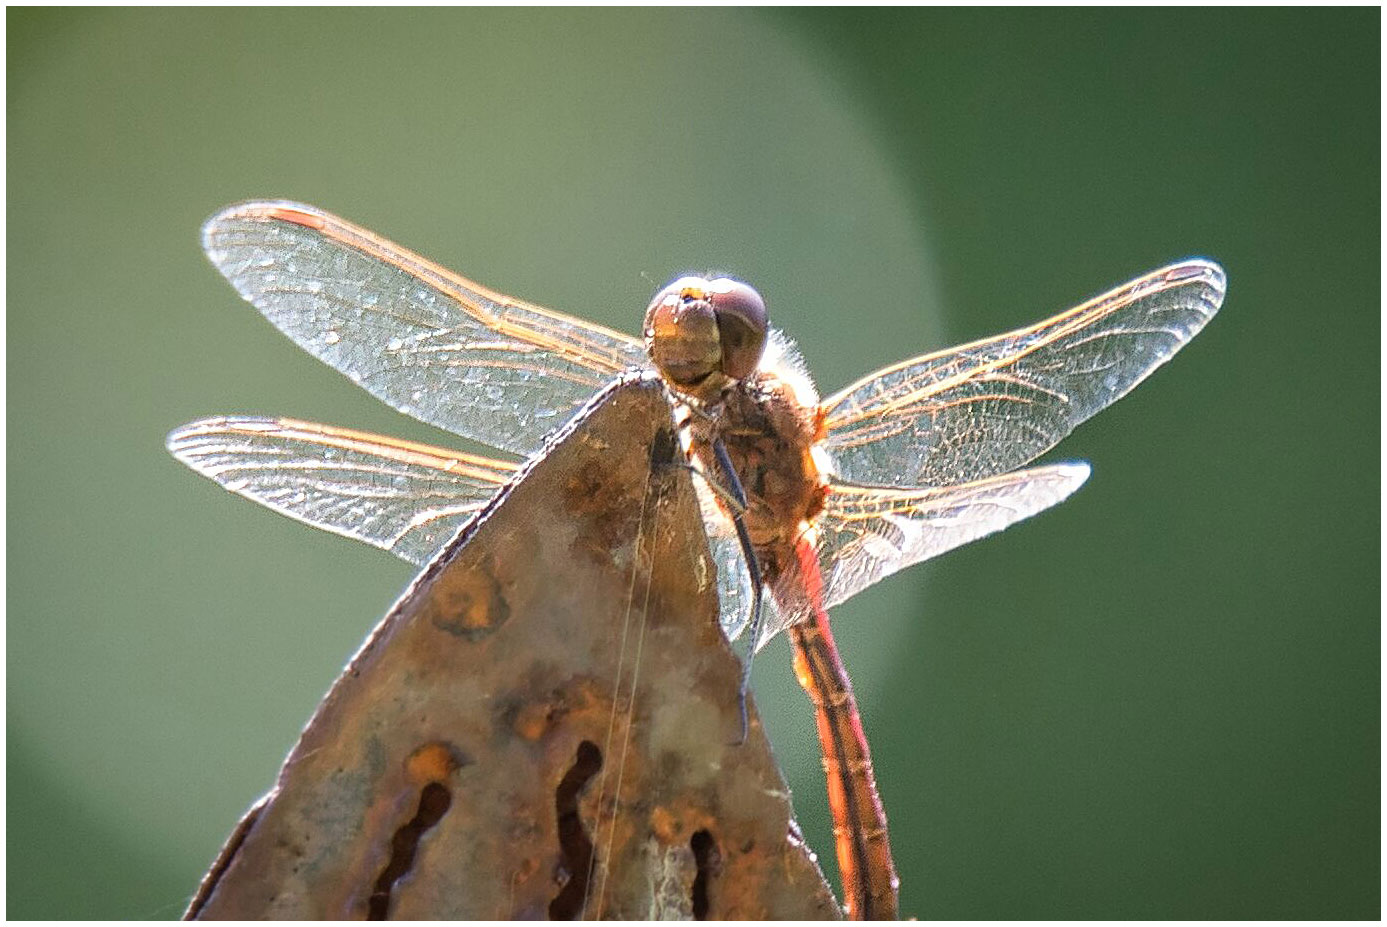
(867, 533)
(734, 584)
(426, 341)
(991, 406)
(409, 499)
(733, 577)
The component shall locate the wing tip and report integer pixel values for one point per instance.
(182, 439)
(176, 442)
(282, 210)
(1072, 474)
(1201, 270)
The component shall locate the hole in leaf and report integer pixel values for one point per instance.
(705, 852)
(434, 800)
(573, 840)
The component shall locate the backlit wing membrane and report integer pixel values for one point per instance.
(426, 341)
(990, 406)
(924, 449)
(734, 582)
(409, 499)
(867, 533)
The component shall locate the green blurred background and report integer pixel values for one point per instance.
(1160, 700)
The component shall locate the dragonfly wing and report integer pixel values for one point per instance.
(423, 339)
(733, 577)
(991, 406)
(734, 584)
(866, 533)
(409, 499)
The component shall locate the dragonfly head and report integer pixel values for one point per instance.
(702, 335)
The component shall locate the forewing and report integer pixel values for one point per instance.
(409, 499)
(991, 406)
(867, 533)
(423, 339)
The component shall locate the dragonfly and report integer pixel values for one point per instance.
(810, 500)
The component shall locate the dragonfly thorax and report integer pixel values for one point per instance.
(770, 438)
(704, 335)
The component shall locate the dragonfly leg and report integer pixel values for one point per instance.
(734, 487)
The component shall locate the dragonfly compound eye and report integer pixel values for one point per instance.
(681, 334)
(742, 323)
